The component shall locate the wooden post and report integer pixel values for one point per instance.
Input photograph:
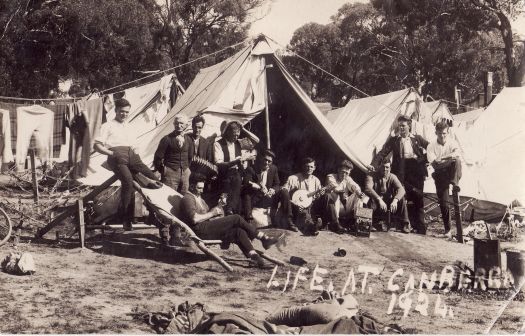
(266, 109)
(488, 91)
(457, 212)
(33, 174)
(81, 223)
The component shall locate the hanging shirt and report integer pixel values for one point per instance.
(114, 133)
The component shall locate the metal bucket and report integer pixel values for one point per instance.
(516, 266)
(487, 254)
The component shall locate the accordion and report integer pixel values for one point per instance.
(203, 167)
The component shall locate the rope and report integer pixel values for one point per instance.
(133, 81)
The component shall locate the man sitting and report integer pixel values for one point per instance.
(212, 224)
(387, 196)
(344, 197)
(262, 189)
(444, 156)
(115, 140)
(306, 181)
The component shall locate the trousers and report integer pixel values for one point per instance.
(231, 229)
(450, 174)
(231, 185)
(34, 121)
(124, 163)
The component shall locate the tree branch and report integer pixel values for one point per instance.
(8, 22)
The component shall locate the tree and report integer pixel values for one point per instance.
(503, 11)
(103, 43)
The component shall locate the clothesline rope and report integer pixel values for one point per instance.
(133, 81)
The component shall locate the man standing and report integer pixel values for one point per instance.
(305, 180)
(115, 140)
(212, 224)
(444, 156)
(262, 189)
(199, 145)
(387, 196)
(409, 164)
(344, 197)
(172, 159)
(228, 158)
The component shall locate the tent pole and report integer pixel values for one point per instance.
(266, 110)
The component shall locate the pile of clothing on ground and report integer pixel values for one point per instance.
(18, 263)
(328, 314)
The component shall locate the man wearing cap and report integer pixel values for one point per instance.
(261, 188)
(229, 159)
(387, 197)
(409, 164)
(115, 140)
(172, 159)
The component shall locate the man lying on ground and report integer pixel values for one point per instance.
(212, 224)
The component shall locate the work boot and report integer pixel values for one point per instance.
(406, 228)
(384, 226)
(127, 226)
(257, 260)
(337, 228)
(268, 242)
(292, 226)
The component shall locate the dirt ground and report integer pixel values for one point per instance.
(96, 289)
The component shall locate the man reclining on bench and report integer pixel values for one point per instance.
(212, 224)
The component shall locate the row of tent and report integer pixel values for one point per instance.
(243, 86)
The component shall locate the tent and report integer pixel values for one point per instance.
(467, 119)
(366, 123)
(492, 145)
(433, 112)
(241, 88)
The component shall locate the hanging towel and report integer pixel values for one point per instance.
(6, 151)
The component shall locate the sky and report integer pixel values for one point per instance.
(283, 17)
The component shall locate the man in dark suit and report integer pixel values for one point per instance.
(409, 164)
(261, 188)
(199, 145)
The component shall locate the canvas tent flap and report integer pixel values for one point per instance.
(434, 111)
(366, 123)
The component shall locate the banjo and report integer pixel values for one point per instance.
(304, 198)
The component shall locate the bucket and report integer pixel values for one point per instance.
(486, 254)
(516, 266)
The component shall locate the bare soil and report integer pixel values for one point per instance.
(95, 290)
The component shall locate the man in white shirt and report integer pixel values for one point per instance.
(115, 140)
(228, 158)
(444, 156)
(344, 198)
(305, 180)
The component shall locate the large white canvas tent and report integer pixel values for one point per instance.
(240, 88)
(493, 144)
(433, 112)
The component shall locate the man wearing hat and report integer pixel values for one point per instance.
(229, 159)
(172, 159)
(261, 188)
(115, 140)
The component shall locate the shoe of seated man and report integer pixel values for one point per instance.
(406, 228)
(292, 226)
(268, 242)
(257, 260)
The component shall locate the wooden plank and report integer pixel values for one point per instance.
(73, 208)
(213, 255)
(457, 213)
(33, 174)
(270, 258)
(81, 223)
